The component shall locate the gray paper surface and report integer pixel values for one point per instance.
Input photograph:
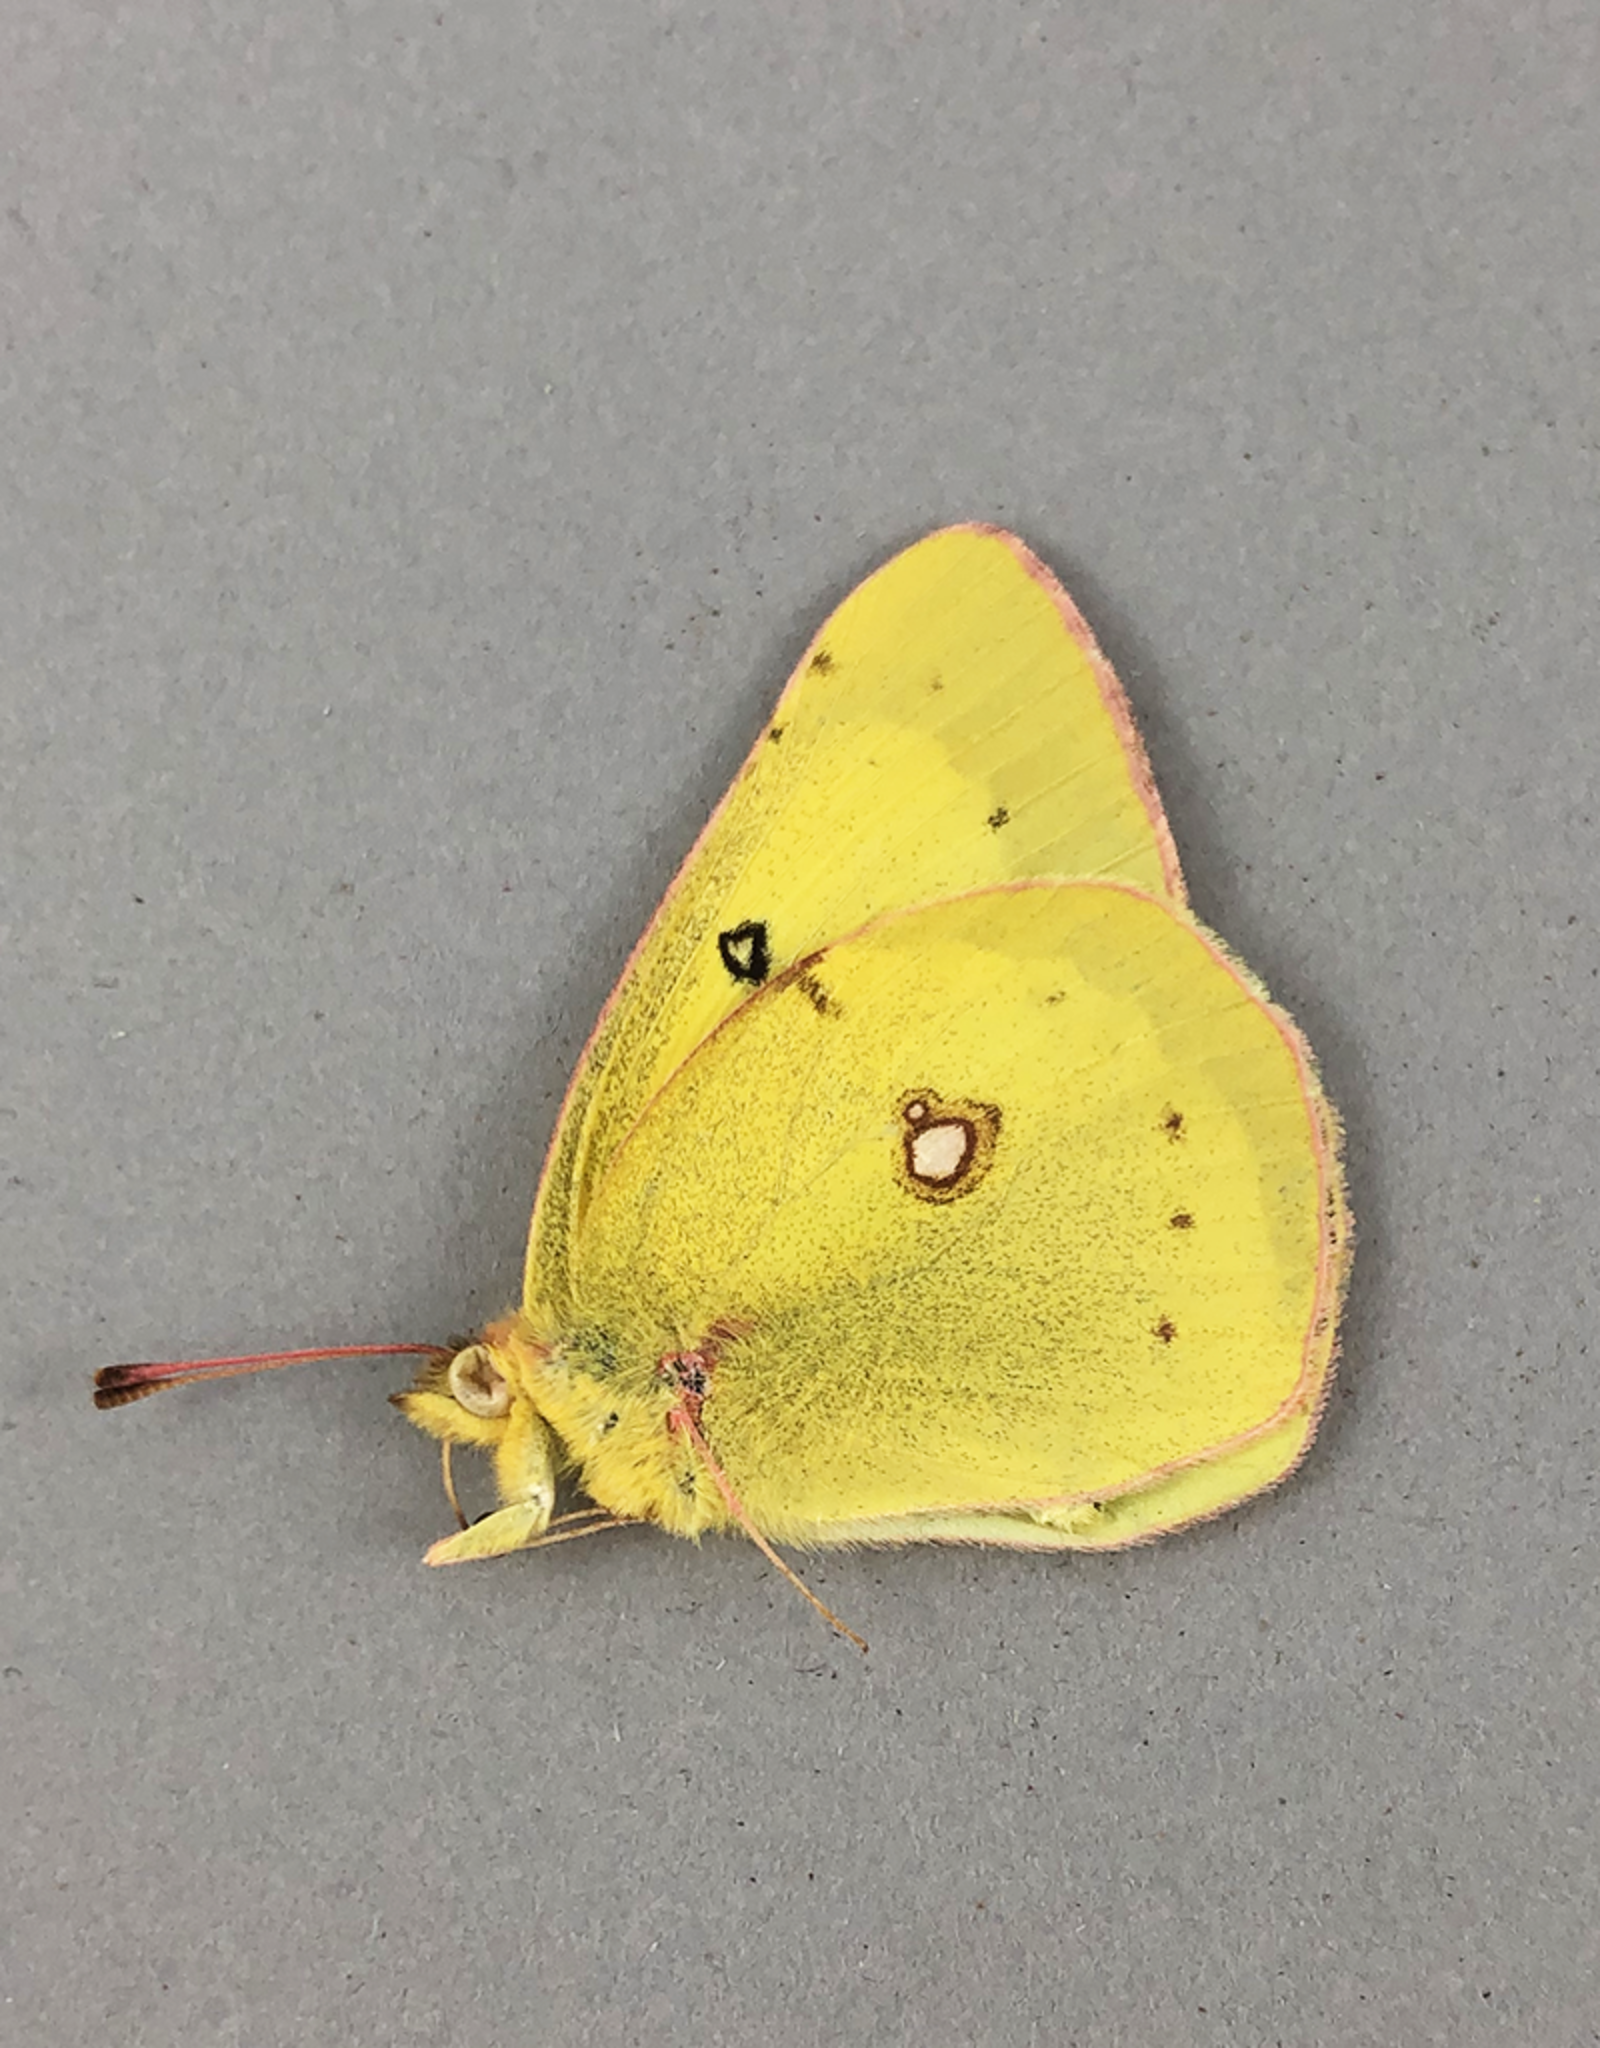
(430, 435)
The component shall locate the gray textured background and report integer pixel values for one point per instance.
(430, 433)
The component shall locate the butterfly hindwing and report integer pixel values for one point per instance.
(1013, 1217)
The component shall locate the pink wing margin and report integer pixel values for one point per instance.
(1112, 696)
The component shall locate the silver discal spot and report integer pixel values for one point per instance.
(478, 1383)
(938, 1152)
(946, 1146)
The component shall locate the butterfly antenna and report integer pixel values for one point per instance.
(680, 1419)
(116, 1385)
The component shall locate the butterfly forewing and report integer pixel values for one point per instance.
(953, 725)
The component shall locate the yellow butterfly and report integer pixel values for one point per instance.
(931, 1173)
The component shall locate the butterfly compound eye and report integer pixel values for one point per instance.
(478, 1383)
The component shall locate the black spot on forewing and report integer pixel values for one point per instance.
(745, 951)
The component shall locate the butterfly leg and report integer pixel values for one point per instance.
(525, 1473)
(507, 1529)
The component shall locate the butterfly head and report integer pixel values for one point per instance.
(478, 1394)
(463, 1395)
